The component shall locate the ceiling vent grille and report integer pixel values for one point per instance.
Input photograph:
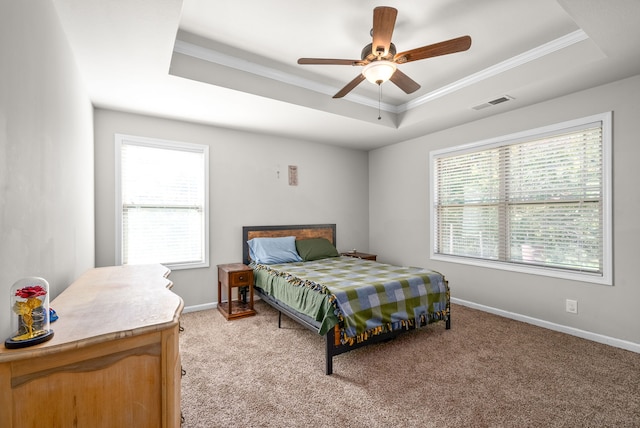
(497, 101)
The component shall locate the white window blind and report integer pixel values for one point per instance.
(536, 201)
(163, 202)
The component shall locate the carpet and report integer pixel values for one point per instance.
(487, 371)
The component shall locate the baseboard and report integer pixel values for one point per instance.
(612, 341)
(202, 307)
(206, 306)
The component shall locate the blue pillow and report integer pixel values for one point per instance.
(268, 251)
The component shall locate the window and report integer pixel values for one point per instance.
(535, 202)
(161, 202)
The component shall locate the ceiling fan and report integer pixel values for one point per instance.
(380, 59)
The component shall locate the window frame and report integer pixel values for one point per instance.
(122, 139)
(606, 278)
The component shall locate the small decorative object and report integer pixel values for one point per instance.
(293, 175)
(30, 304)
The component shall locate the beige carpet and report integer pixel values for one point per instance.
(486, 371)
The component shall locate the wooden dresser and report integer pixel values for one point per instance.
(114, 359)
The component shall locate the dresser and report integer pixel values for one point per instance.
(114, 359)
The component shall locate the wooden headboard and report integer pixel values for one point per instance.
(305, 231)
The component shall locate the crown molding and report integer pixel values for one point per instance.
(516, 61)
(236, 63)
(210, 55)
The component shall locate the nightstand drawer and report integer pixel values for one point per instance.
(240, 278)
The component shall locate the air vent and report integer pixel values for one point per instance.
(497, 101)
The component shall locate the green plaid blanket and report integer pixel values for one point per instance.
(371, 297)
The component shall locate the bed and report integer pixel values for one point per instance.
(350, 301)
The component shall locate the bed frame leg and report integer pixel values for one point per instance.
(280, 319)
(330, 337)
(448, 323)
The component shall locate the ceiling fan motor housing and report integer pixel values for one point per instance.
(367, 53)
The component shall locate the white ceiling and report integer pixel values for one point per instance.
(233, 63)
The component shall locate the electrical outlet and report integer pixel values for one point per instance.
(572, 306)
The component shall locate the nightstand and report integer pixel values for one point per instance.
(235, 275)
(359, 255)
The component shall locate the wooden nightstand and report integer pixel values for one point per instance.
(234, 275)
(360, 255)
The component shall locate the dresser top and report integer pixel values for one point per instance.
(106, 304)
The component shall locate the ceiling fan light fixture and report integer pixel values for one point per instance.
(379, 72)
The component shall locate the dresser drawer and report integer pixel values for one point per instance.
(240, 279)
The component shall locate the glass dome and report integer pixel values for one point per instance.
(30, 319)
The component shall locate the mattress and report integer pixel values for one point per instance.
(362, 297)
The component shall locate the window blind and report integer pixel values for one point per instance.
(535, 202)
(163, 204)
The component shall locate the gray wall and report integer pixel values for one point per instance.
(379, 200)
(399, 217)
(244, 190)
(46, 155)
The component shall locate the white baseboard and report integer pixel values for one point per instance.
(202, 307)
(206, 306)
(612, 341)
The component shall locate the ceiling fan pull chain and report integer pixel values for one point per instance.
(379, 100)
